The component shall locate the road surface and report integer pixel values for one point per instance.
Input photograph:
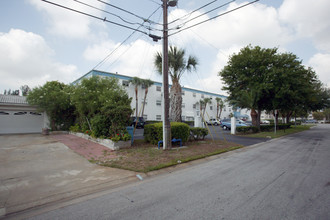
(287, 178)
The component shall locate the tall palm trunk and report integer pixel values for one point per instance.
(176, 101)
(144, 100)
(136, 102)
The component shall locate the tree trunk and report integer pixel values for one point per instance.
(176, 101)
(217, 111)
(144, 100)
(220, 113)
(254, 116)
(136, 102)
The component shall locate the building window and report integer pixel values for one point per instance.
(143, 101)
(125, 83)
(211, 107)
(158, 88)
(190, 119)
(183, 105)
(158, 117)
(224, 108)
(4, 113)
(20, 113)
(145, 117)
(159, 102)
(183, 118)
(194, 94)
(194, 106)
(202, 96)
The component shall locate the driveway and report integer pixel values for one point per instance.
(37, 170)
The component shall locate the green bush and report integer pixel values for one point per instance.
(266, 128)
(243, 129)
(75, 128)
(154, 132)
(100, 125)
(198, 133)
(283, 126)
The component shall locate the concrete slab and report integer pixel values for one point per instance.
(36, 170)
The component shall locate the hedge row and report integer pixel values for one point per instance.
(253, 129)
(154, 132)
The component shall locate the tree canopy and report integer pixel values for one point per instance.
(264, 79)
(178, 65)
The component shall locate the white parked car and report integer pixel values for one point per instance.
(265, 122)
(213, 121)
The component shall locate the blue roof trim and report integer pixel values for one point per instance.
(119, 76)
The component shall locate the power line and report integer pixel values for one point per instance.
(93, 16)
(206, 13)
(131, 13)
(91, 6)
(187, 15)
(123, 42)
(222, 14)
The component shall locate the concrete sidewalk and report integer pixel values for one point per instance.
(36, 170)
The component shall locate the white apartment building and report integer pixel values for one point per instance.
(153, 104)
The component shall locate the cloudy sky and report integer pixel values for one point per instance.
(40, 42)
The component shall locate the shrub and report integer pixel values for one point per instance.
(243, 129)
(75, 128)
(254, 129)
(198, 133)
(100, 126)
(154, 132)
(266, 127)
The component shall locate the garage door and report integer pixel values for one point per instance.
(18, 122)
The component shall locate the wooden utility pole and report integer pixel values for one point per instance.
(166, 104)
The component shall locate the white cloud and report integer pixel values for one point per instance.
(25, 58)
(133, 59)
(309, 19)
(321, 64)
(68, 23)
(257, 24)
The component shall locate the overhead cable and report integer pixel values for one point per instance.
(227, 12)
(93, 16)
(206, 13)
(126, 39)
(131, 13)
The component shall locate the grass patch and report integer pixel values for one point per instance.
(280, 133)
(143, 157)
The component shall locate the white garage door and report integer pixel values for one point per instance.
(18, 122)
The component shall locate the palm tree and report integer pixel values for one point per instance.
(136, 81)
(220, 106)
(146, 83)
(178, 65)
(206, 101)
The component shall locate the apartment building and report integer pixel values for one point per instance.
(153, 103)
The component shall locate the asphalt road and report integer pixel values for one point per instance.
(288, 178)
(218, 134)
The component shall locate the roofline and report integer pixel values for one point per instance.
(95, 72)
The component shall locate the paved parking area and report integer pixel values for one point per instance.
(37, 170)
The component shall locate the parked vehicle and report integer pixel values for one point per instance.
(265, 122)
(139, 124)
(214, 121)
(313, 121)
(226, 124)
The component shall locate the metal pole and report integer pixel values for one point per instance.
(166, 122)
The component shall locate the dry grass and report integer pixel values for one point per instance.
(144, 157)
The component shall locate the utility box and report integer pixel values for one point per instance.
(233, 125)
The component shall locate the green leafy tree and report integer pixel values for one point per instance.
(146, 83)
(318, 115)
(136, 81)
(102, 101)
(246, 78)
(54, 99)
(25, 90)
(178, 65)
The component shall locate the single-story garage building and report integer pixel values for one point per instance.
(18, 117)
